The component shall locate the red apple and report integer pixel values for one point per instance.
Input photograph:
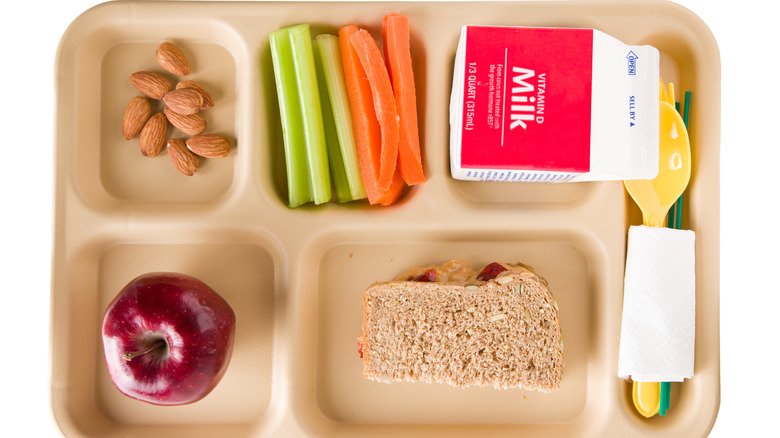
(167, 338)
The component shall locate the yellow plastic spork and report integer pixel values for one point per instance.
(655, 196)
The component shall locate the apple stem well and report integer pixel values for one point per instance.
(159, 345)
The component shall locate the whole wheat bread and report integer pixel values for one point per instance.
(463, 330)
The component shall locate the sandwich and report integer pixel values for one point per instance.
(496, 327)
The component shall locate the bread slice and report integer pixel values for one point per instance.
(466, 328)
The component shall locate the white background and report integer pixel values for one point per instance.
(747, 34)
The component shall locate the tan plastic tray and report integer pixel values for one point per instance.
(295, 277)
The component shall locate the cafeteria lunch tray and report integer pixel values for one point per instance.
(295, 276)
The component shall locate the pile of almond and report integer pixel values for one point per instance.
(182, 106)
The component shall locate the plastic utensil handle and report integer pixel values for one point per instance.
(646, 397)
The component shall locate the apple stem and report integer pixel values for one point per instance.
(160, 343)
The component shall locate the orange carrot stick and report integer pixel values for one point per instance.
(395, 36)
(364, 123)
(384, 102)
(394, 191)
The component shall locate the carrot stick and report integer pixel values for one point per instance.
(365, 124)
(384, 102)
(395, 36)
(394, 191)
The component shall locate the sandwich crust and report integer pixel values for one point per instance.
(463, 330)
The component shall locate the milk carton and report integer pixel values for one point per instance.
(552, 105)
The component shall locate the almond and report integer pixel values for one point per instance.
(172, 59)
(208, 101)
(137, 113)
(183, 160)
(153, 135)
(192, 124)
(151, 84)
(209, 145)
(184, 101)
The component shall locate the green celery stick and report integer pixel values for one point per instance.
(333, 73)
(313, 129)
(337, 172)
(308, 176)
(291, 118)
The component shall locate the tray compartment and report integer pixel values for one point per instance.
(109, 170)
(243, 273)
(124, 172)
(340, 397)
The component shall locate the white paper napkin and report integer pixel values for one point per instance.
(659, 306)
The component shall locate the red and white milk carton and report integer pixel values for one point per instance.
(553, 105)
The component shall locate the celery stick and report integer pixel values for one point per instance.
(292, 121)
(308, 177)
(313, 128)
(333, 73)
(337, 172)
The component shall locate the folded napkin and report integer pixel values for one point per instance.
(659, 306)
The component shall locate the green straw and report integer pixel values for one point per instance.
(678, 209)
(674, 221)
(665, 389)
